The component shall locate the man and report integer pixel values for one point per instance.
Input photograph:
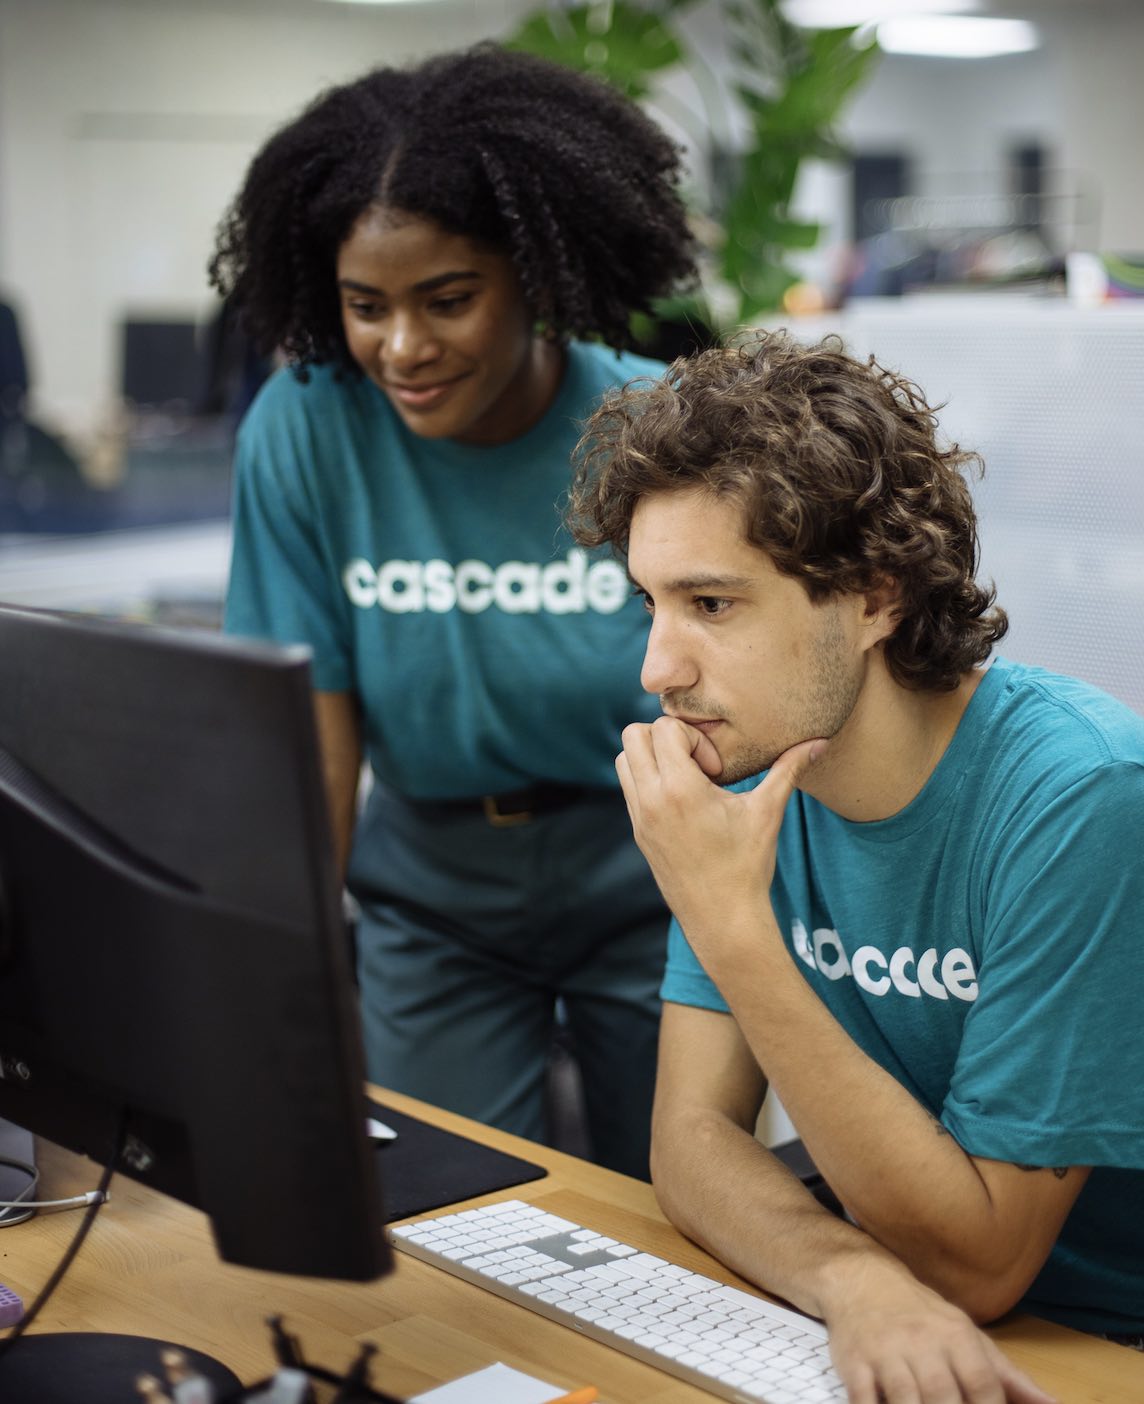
(922, 924)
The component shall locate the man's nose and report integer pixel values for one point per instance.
(668, 662)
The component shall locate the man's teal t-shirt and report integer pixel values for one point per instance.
(986, 947)
(437, 581)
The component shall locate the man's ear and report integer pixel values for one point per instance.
(882, 609)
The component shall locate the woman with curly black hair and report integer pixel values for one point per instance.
(447, 256)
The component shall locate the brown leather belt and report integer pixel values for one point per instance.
(513, 807)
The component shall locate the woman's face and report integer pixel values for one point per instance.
(440, 324)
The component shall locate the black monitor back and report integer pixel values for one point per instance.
(171, 942)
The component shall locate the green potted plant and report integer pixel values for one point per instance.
(787, 91)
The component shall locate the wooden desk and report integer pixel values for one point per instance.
(148, 1268)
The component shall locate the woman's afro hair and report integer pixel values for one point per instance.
(555, 168)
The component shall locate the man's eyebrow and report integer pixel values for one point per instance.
(426, 285)
(709, 584)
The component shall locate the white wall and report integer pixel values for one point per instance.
(1103, 116)
(125, 128)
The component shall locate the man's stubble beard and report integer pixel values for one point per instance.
(834, 685)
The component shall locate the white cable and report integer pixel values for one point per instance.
(25, 1206)
(75, 1202)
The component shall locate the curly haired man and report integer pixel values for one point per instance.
(917, 910)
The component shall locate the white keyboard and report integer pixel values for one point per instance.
(728, 1342)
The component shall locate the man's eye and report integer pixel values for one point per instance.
(712, 605)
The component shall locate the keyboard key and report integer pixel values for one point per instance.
(734, 1377)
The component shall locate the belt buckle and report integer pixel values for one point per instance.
(503, 821)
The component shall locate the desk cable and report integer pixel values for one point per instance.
(16, 1211)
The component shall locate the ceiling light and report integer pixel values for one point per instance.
(956, 36)
(845, 14)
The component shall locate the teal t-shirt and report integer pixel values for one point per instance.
(986, 947)
(437, 582)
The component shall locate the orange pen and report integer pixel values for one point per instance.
(588, 1395)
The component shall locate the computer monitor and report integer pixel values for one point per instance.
(172, 948)
(163, 364)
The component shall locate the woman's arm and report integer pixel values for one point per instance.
(339, 736)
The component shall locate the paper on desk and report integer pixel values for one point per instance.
(497, 1384)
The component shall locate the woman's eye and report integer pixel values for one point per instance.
(450, 304)
(648, 602)
(364, 309)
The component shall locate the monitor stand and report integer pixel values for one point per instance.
(63, 1367)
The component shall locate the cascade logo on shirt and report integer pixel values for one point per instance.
(931, 974)
(569, 586)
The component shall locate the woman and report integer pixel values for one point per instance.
(446, 255)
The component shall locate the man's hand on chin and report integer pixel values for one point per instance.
(703, 752)
(704, 843)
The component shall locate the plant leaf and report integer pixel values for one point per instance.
(631, 46)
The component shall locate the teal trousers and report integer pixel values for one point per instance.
(469, 937)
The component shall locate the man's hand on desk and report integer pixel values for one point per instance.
(893, 1339)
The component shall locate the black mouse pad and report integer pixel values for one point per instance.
(427, 1167)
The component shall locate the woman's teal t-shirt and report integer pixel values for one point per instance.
(436, 580)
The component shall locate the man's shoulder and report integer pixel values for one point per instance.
(1058, 721)
(1052, 756)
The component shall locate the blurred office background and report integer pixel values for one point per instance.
(125, 128)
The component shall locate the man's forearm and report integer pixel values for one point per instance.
(910, 1185)
(735, 1199)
